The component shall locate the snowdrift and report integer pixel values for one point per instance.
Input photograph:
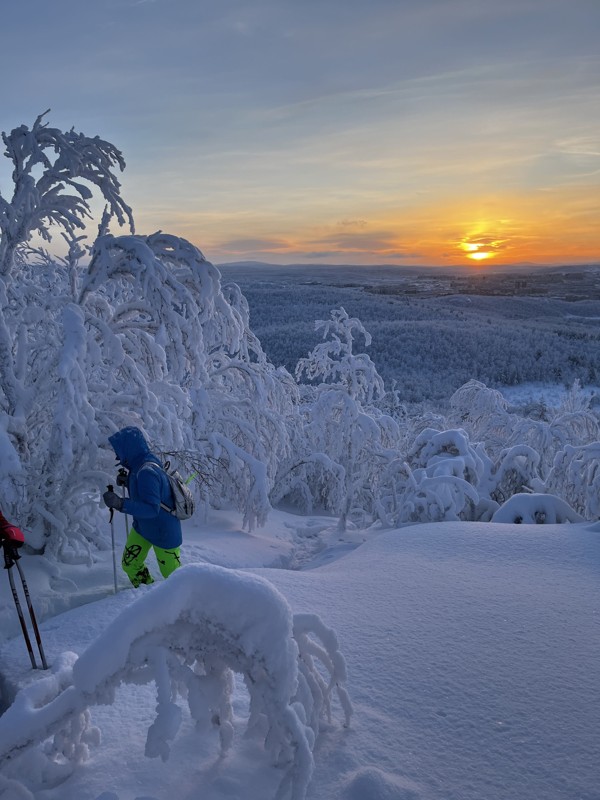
(471, 652)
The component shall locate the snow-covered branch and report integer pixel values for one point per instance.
(189, 636)
(69, 162)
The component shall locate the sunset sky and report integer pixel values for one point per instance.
(422, 132)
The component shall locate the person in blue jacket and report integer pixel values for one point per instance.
(153, 526)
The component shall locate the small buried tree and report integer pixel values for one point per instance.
(189, 636)
(346, 438)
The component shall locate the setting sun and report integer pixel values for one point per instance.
(479, 246)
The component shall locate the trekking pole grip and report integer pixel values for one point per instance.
(111, 488)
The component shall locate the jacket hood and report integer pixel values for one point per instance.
(130, 446)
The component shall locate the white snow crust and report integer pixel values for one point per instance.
(470, 651)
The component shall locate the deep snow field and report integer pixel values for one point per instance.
(472, 652)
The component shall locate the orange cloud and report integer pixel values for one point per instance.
(545, 227)
(553, 227)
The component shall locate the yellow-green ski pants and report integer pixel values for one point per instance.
(134, 556)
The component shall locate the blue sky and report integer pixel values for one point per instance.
(372, 131)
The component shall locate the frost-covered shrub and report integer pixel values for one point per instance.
(536, 508)
(438, 480)
(516, 468)
(446, 477)
(441, 498)
(482, 412)
(554, 452)
(446, 453)
(548, 438)
(446, 471)
(485, 416)
(575, 475)
(188, 636)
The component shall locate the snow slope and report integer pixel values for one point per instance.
(471, 648)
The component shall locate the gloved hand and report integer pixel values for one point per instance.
(122, 477)
(113, 500)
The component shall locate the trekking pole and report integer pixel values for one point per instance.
(126, 520)
(11, 557)
(112, 537)
(123, 473)
(34, 624)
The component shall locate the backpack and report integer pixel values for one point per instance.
(182, 496)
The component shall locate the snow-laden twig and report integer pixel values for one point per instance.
(188, 636)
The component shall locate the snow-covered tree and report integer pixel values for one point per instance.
(204, 385)
(553, 452)
(45, 411)
(483, 413)
(144, 335)
(442, 477)
(334, 364)
(446, 472)
(51, 174)
(345, 437)
(516, 469)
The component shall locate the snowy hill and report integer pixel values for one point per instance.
(470, 647)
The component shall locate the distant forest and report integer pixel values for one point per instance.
(427, 343)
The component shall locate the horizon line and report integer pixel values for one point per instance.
(476, 267)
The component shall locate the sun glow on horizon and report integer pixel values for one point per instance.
(479, 255)
(479, 246)
(493, 230)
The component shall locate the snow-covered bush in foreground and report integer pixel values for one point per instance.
(189, 635)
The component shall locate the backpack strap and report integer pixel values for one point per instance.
(164, 506)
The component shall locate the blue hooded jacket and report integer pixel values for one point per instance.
(148, 487)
